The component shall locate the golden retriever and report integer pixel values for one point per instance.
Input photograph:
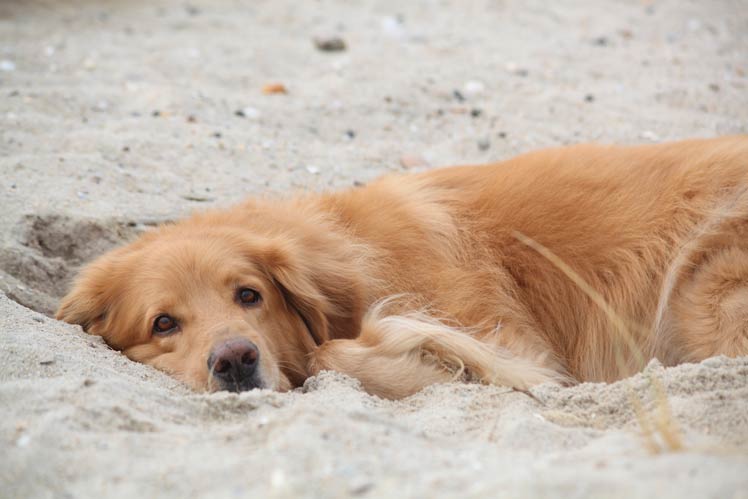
(569, 264)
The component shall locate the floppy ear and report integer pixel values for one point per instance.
(323, 287)
(86, 304)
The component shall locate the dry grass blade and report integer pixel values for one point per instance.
(663, 424)
(596, 297)
(644, 420)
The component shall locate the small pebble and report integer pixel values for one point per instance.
(278, 479)
(197, 198)
(714, 87)
(350, 134)
(7, 65)
(484, 144)
(650, 135)
(274, 88)
(330, 43)
(475, 112)
(312, 169)
(248, 112)
(626, 33)
(361, 488)
(474, 87)
(458, 95)
(393, 26)
(23, 441)
(694, 24)
(589, 98)
(413, 161)
(601, 41)
(191, 119)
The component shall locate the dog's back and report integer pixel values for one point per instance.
(617, 216)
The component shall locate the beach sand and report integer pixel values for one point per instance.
(117, 115)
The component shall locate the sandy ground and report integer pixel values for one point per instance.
(115, 115)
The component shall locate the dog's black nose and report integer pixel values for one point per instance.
(234, 364)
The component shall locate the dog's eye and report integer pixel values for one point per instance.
(164, 324)
(247, 296)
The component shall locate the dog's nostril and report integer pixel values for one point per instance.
(249, 357)
(221, 366)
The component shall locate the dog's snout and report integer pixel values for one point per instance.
(234, 363)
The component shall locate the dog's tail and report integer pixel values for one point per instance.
(455, 349)
(397, 355)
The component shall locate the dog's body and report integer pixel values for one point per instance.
(657, 232)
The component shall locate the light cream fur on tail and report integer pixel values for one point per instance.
(397, 355)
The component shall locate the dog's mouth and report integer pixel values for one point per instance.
(237, 385)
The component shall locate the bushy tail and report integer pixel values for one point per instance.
(397, 355)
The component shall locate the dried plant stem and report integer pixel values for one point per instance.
(663, 423)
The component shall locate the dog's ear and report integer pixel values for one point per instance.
(322, 285)
(87, 302)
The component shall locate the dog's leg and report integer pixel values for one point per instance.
(703, 309)
(396, 356)
(709, 310)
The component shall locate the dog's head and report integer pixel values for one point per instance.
(222, 303)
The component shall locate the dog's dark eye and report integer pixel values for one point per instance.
(164, 324)
(247, 296)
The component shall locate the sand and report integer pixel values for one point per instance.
(117, 115)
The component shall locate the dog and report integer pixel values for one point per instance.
(564, 265)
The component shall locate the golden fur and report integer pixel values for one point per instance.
(422, 278)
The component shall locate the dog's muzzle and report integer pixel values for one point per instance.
(234, 364)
